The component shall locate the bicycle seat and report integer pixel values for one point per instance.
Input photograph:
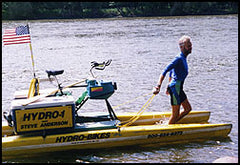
(54, 72)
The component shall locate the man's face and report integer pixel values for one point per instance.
(187, 47)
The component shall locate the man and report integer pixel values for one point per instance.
(178, 72)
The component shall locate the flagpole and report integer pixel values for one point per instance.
(32, 60)
(30, 45)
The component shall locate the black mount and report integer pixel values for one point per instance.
(54, 73)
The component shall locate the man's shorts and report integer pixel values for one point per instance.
(177, 95)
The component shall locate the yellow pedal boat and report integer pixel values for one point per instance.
(50, 122)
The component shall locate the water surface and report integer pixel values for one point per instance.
(140, 48)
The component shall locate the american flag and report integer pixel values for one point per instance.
(20, 35)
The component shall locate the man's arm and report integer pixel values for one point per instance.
(157, 89)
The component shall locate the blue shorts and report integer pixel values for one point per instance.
(177, 95)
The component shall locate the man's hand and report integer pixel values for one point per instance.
(156, 90)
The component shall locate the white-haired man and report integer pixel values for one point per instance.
(178, 69)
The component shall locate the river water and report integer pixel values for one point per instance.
(140, 48)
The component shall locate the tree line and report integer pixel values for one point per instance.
(78, 10)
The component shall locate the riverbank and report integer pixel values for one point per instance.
(89, 10)
(116, 18)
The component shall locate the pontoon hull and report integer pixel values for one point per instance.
(125, 136)
(147, 118)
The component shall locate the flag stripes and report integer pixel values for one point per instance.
(20, 35)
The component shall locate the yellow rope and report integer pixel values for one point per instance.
(139, 113)
(114, 107)
(35, 98)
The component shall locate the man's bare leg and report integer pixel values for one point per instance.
(175, 114)
(187, 108)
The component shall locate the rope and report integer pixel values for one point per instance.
(35, 98)
(139, 113)
(114, 107)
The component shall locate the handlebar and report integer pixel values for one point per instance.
(99, 66)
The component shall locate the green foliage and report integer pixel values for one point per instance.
(70, 10)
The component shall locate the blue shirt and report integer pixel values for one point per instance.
(178, 69)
